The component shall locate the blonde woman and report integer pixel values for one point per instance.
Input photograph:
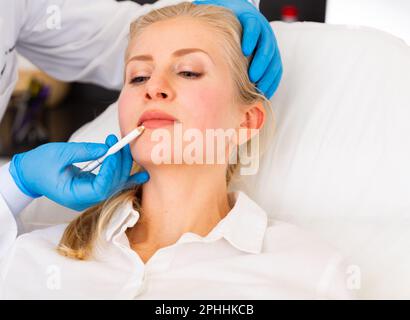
(183, 234)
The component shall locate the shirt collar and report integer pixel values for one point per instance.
(243, 227)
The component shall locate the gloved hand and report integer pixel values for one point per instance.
(266, 66)
(48, 170)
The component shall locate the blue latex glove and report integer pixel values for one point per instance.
(266, 66)
(48, 171)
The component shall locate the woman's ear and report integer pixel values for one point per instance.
(253, 119)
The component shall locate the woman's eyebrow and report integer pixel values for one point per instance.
(177, 53)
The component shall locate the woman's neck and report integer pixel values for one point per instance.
(179, 200)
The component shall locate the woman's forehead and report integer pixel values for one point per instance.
(174, 34)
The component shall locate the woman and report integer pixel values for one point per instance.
(182, 234)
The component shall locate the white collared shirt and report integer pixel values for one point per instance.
(245, 256)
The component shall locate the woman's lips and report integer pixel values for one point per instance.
(157, 123)
(156, 118)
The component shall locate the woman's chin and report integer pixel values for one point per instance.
(150, 153)
(147, 157)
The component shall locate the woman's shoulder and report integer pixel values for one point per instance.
(48, 236)
(33, 249)
(307, 259)
(282, 236)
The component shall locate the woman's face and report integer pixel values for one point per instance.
(177, 67)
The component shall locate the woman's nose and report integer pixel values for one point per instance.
(158, 89)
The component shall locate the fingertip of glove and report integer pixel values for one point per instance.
(144, 176)
(140, 178)
(111, 140)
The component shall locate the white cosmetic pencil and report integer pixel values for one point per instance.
(115, 148)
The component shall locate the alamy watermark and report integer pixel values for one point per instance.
(214, 146)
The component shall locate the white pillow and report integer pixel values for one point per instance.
(339, 161)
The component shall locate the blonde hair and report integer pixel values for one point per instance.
(79, 238)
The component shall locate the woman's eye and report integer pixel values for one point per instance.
(137, 80)
(186, 74)
(190, 74)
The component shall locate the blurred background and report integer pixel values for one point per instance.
(43, 109)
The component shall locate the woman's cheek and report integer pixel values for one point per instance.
(206, 106)
(126, 113)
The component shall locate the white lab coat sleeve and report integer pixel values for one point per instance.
(8, 231)
(11, 194)
(77, 40)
